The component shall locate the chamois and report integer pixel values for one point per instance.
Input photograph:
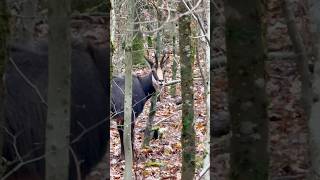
(143, 87)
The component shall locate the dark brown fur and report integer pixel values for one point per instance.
(26, 114)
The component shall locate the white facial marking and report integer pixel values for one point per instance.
(160, 74)
(155, 83)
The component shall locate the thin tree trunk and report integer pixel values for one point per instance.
(207, 92)
(138, 41)
(186, 59)
(128, 96)
(314, 123)
(4, 34)
(109, 77)
(25, 31)
(302, 60)
(127, 117)
(249, 158)
(152, 113)
(174, 64)
(59, 87)
(153, 107)
(113, 24)
(212, 26)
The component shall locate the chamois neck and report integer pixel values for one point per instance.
(146, 83)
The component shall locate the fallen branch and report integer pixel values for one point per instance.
(221, 61)
(173, 82)
(300, 176)
(178, 81)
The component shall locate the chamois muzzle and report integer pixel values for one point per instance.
(161, 83)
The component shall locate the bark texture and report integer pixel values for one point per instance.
(186, 60)
(59, 90)
(246, 54)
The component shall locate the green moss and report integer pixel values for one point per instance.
(111, 69)
(153, 164)
(112, 48)
(149, 40)
(138, 50)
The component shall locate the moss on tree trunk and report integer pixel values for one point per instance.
(246, 53)
(186, 59)
(138, 49)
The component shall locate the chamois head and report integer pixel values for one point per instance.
(157, 70)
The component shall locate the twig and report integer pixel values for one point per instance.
(201, 70)
(204, 171)
(76, 163)
(196, 17)
(166, 118)
(28, 82)
(16, 168)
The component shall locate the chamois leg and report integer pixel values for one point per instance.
(120, 122)
(132, 136)
(120, 127)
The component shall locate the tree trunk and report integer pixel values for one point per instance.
(186, 59)
(4, 34)
(174, 63)
(58, 116)
(152, 113)
(138, 41)
(25, 30)
(109, 77)
(207, 93)
(302, 59)
(246, 89)
(113, 24)
(314, 123)
(127, 117)
(212, 22)
(128, 95)
(153, 107)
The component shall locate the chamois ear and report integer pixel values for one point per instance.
(151, 64)
(164, 60)
(156, 60)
